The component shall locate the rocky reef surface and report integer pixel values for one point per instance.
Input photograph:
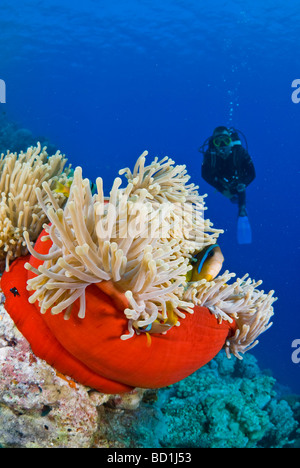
(41, 408)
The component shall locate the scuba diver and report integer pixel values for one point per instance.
(228, 167)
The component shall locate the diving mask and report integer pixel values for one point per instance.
(221, 140)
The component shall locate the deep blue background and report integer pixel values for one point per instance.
(105, 80)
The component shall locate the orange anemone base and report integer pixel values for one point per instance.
(90, 350)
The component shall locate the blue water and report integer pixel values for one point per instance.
(105, 80)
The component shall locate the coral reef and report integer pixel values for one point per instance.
(15, 138)
(42, 409)
(228, 403)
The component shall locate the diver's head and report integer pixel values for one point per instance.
(220, 130)
(221, 140)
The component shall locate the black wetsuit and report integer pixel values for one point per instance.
(226, 174)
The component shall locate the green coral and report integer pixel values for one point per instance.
(228, 403)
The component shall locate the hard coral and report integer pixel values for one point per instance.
(229, 404)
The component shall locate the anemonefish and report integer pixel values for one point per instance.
(65, 188)
(206, 264)
(160, 326)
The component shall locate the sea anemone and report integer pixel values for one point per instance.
(106, 262)
(20, 175)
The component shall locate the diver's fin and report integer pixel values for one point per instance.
(244, 233)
